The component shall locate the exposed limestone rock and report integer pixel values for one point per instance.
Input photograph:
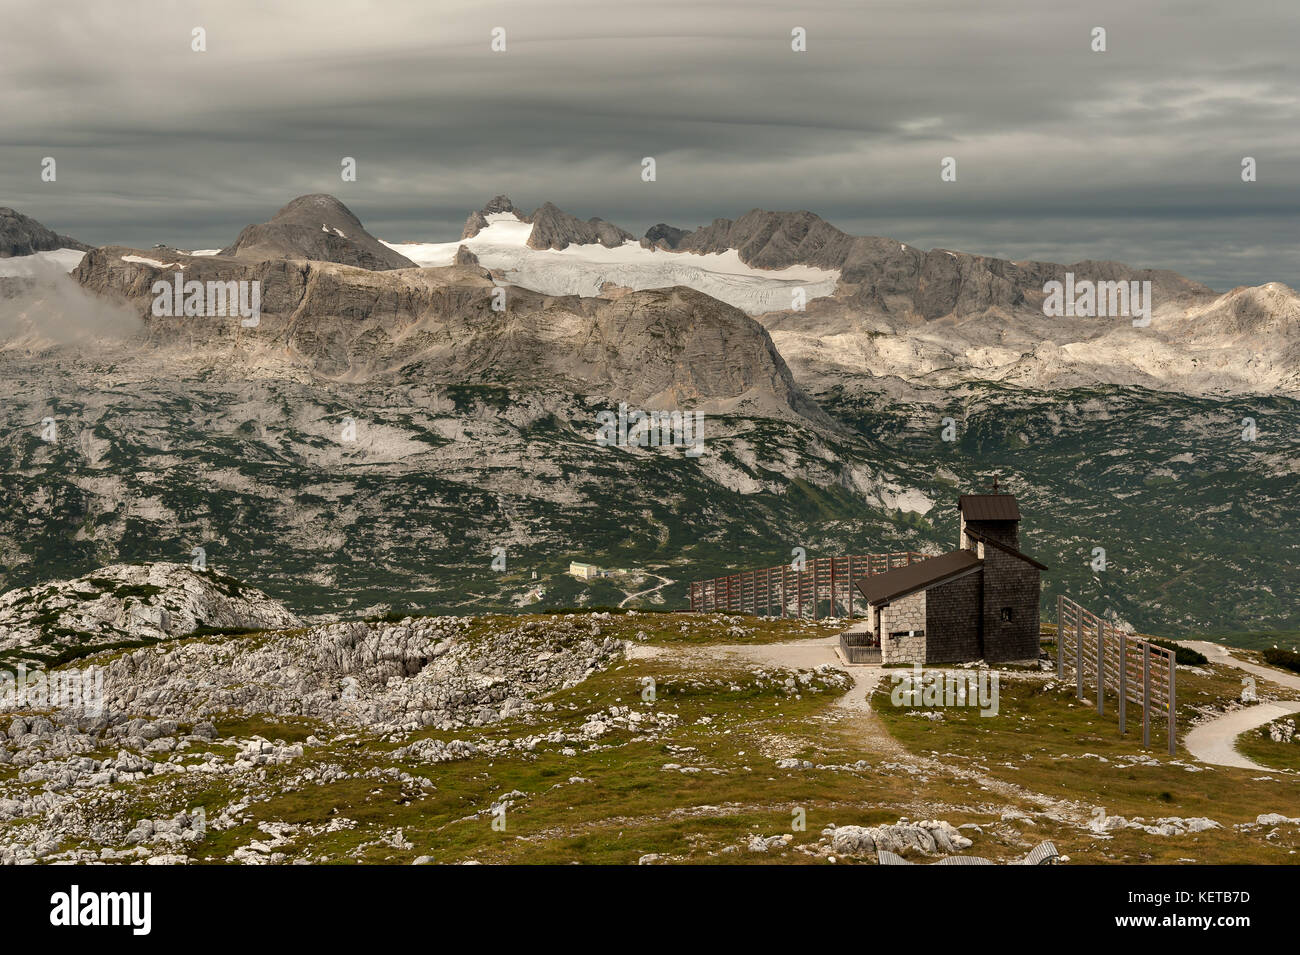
(927, 837)
(667, 348)
(130, 602)
(1166, 826)
(383, 676)
(555, 229)
(319, 228)
(23, 235)
(664, 236)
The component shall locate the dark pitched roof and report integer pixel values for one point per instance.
(1005, 548)
(901, 581)
(989, 507)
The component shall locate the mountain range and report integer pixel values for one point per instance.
(876, 313)
(403, 409)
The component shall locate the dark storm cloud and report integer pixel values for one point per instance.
(1063, 154)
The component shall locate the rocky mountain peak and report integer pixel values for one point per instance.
(664, 236)
(499, 204)
(773, 240)
(306, 210)
(477, 221)
(23, 235)
(320, 228)
(553, 228)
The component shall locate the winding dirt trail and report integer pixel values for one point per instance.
(663, 582)
(1215, 742)
(856, 716)
(804, 654)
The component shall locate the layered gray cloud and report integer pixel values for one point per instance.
(1062, 153)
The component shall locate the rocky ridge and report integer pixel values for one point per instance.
(383, 677)
(669, 348)
(318, 228)
(894, 276)
(23, 235)
(898, 320)
(126, 602)
(374, 678)
(553, 228)
(904, 320)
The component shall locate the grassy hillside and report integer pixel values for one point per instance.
(408, 516)
(701, 774)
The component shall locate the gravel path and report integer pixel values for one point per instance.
(802, 654)
(805, 654)
(663, 582)
(1215, 742)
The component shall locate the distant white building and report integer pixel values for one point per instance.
(584, 571)
(590, 571)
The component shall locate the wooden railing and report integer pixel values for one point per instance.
(860, 647)
(1104, 657)
(796, 590)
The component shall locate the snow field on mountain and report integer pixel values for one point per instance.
(587, 269)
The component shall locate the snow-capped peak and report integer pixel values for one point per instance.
(588, 269)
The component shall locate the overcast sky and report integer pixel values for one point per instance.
(1062, 153)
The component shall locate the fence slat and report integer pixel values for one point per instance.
(1060, 638)
(1146, 701)
(1173, 701)
(738, 593)
(1139, 671)
(1101, 668)
(1123, 682)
